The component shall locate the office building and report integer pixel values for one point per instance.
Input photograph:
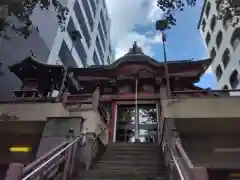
(222, 42)
(92, 46)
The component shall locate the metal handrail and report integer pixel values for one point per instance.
(44, 157)
(176, 163)
(38, 169)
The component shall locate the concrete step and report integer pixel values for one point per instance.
(125, 174)
(125, 157)
(146, 150)
(132, 153)
(123, 178)
(129, 168)
(122, 144)
(130, 163)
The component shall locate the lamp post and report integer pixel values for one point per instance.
(161, 25)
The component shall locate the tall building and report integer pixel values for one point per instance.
(91, 20)
(92, 46)
(222, 42)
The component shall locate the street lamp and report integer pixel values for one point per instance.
(161, 25)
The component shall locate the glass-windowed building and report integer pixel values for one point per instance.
(91, 22)
(222, 41)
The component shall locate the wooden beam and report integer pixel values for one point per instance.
(103, 98)
(89, 78)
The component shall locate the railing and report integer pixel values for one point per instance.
(60, 162)
(179, 165)
(175, 169)
(57, 164)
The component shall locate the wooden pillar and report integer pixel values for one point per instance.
(112, 122)
(96, 98)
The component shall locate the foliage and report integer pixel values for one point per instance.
(23, 9)
(228, 9)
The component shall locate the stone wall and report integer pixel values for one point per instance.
(34, 111)
(203, 107)
(56, 131)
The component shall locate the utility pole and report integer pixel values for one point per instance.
(161, 25)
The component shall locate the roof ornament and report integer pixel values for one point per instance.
(135, 49)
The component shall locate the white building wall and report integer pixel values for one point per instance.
(227, 34)
(55, 41)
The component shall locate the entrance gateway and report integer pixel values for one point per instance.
(130, 90)
(136, 123)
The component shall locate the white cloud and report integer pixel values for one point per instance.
(125, 15)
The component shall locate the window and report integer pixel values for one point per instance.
(208, 38)
(218, 3)
(77, 43)
(99, 48)
(104, 4)
(218, 72)
(213, 22)
(1, 69)
(93, 5)
(82, 22)
(101, 35)
(72, 31)
(65, 56)
(95, 59)
(235, 39)
(208, 9)
(88, 13)
(226, 58)
(219, 38)
(234, 79)
(225, 22)
(225, 87)
(103, 23)
(108, 60)
(203, 25)
(110, 49)
(213, 53)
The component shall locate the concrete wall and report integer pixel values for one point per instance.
(56, 131)
(34, 111)
(205, 149)
(23, 134)
(203, 108)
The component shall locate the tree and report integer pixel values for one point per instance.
(227, 9)
(23, 10)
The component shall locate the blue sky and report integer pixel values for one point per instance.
(135, 20)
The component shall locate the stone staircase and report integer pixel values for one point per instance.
(128, 161)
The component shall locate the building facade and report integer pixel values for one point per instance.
(222, 41)
(48, 44)
(93, 46)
